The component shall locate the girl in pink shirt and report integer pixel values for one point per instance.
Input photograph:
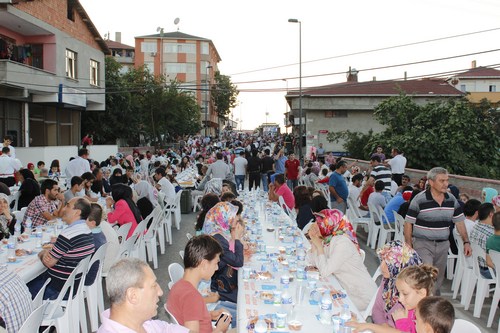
(125, 210)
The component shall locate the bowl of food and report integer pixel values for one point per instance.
(20, 252)
(47, 246)
(294, 325)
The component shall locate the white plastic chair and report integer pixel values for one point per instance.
(356, 219)
(151, 235)
(127, 247)
(175, 272)
(174, 320)
(495, 257)
(94, 292)
(181, 254)
(38, 300)
(189, 236)
(197, 202)
(15, 198)
(375, 228)
(363, 254)
(139, 250)
(450, 265)
(482, 283)
(32, 323)
(283, 205)
(123, 230)
(308, 226)
(65, 314)
(325, 190)
(399, 223)
(112, 255)
(463, 271)
(19, 215)
(386, 229)
(167, 221)
(464, 326)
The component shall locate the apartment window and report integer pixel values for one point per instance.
(71, 64)
(336, 114)
(176, 67)
(180, 48)
(462, 88)
(204, 48)
(493, 88)
(148, 47)
(71, 10)
(94, 72)
(150, 66)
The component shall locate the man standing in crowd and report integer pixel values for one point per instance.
(8, 167)
(338, 187)
(267, 169)
(79, 165)
(380, 172)
(46, 206)
(292, 171)
(240, 170)
(397, 164)
(74, 244)
(7, 142)
(427, 223)
(218, 169)
(254, 170)
(134, 294)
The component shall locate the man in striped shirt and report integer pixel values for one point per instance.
(380, 172)
(427, 223)
(72, 245)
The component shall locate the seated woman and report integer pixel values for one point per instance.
(220, 222)
(29, 189)
(185, 303)
(335, 250)
(303, 206)
(125, 210)
(117, 177)
(185, 164)
(7, 220)
(207, 202)
(394, 257)
(146, 200)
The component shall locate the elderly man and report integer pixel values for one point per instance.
(134, 294)
(427, 223)
(47, 206)
(74, 244)
(218, 169)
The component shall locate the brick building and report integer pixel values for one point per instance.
(51, 70)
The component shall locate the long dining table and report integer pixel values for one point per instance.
(275, 267)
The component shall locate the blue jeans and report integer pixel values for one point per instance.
(240, 180)
(231, 307)
(265, 186)
(292, 183)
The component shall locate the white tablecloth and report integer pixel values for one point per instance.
(27, 267)
(249, 304)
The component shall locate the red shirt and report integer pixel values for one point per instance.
(287, 195)
(292, 169)
(365, 195)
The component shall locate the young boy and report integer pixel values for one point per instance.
(434, 315)
(493, 242)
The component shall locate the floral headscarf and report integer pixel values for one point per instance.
(214, 185)
(397, 255)
(496, 201)
(218, 219)
(331, 222)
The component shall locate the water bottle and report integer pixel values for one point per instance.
(325, 314)
(260, 325)
(17, 230)
(345, 313)
(29, 225)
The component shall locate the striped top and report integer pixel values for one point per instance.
(430, 220)
(382, 173)
(73, 244)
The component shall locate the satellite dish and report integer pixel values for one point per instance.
(177, 20)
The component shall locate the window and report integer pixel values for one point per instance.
(71, 10)
(180, 48)
(204, 48)
(462, 88)
(177, 67)
(71, 64)
(336, 114)
(493, 88)
(150, 66)
(148, 47)
(94, 73)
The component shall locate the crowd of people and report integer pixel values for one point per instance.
(317, 194)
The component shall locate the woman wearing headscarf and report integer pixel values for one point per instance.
(488, 194)
(221, 223)
(394, 256)
(7, 220)
(29, 189)
(123, 209)
(208, 201)
(335, 250)
(146, 200)
(117, 177)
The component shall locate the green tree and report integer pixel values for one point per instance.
(224, 95)
(357, 144)
(454, 134)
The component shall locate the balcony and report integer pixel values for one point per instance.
(17, 75)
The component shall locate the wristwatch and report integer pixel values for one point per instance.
(467, 242)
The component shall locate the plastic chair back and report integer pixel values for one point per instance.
(111, 256)
(38, 300)
(175, 271)
(464, 326)
(34, 320)
(123, 231)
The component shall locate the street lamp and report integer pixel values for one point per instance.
(207, 97)
(300, 84)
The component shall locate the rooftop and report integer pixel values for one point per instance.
(479, 72)
(117, 45)
(173, 35)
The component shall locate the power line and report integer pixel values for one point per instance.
(370, 51)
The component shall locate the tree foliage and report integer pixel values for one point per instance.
(139, 104)
(455, 134)
(224, 95)
(356, 143)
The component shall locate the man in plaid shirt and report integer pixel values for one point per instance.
(482, 231)
(47, 206)
(15, 301)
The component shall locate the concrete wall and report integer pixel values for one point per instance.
(62, 153)
(470, 185)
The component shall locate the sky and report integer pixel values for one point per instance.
(260, 48)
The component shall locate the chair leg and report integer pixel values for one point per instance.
(161, 237)
(92, 307)
(493, 310)
(83, 317)
(481, 293)
(467, 295)
(457, 279)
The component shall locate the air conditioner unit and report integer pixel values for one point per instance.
(153, 54)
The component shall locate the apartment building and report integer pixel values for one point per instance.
(122, 53)
(51, 70)
(479, 82)
(190, 60)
